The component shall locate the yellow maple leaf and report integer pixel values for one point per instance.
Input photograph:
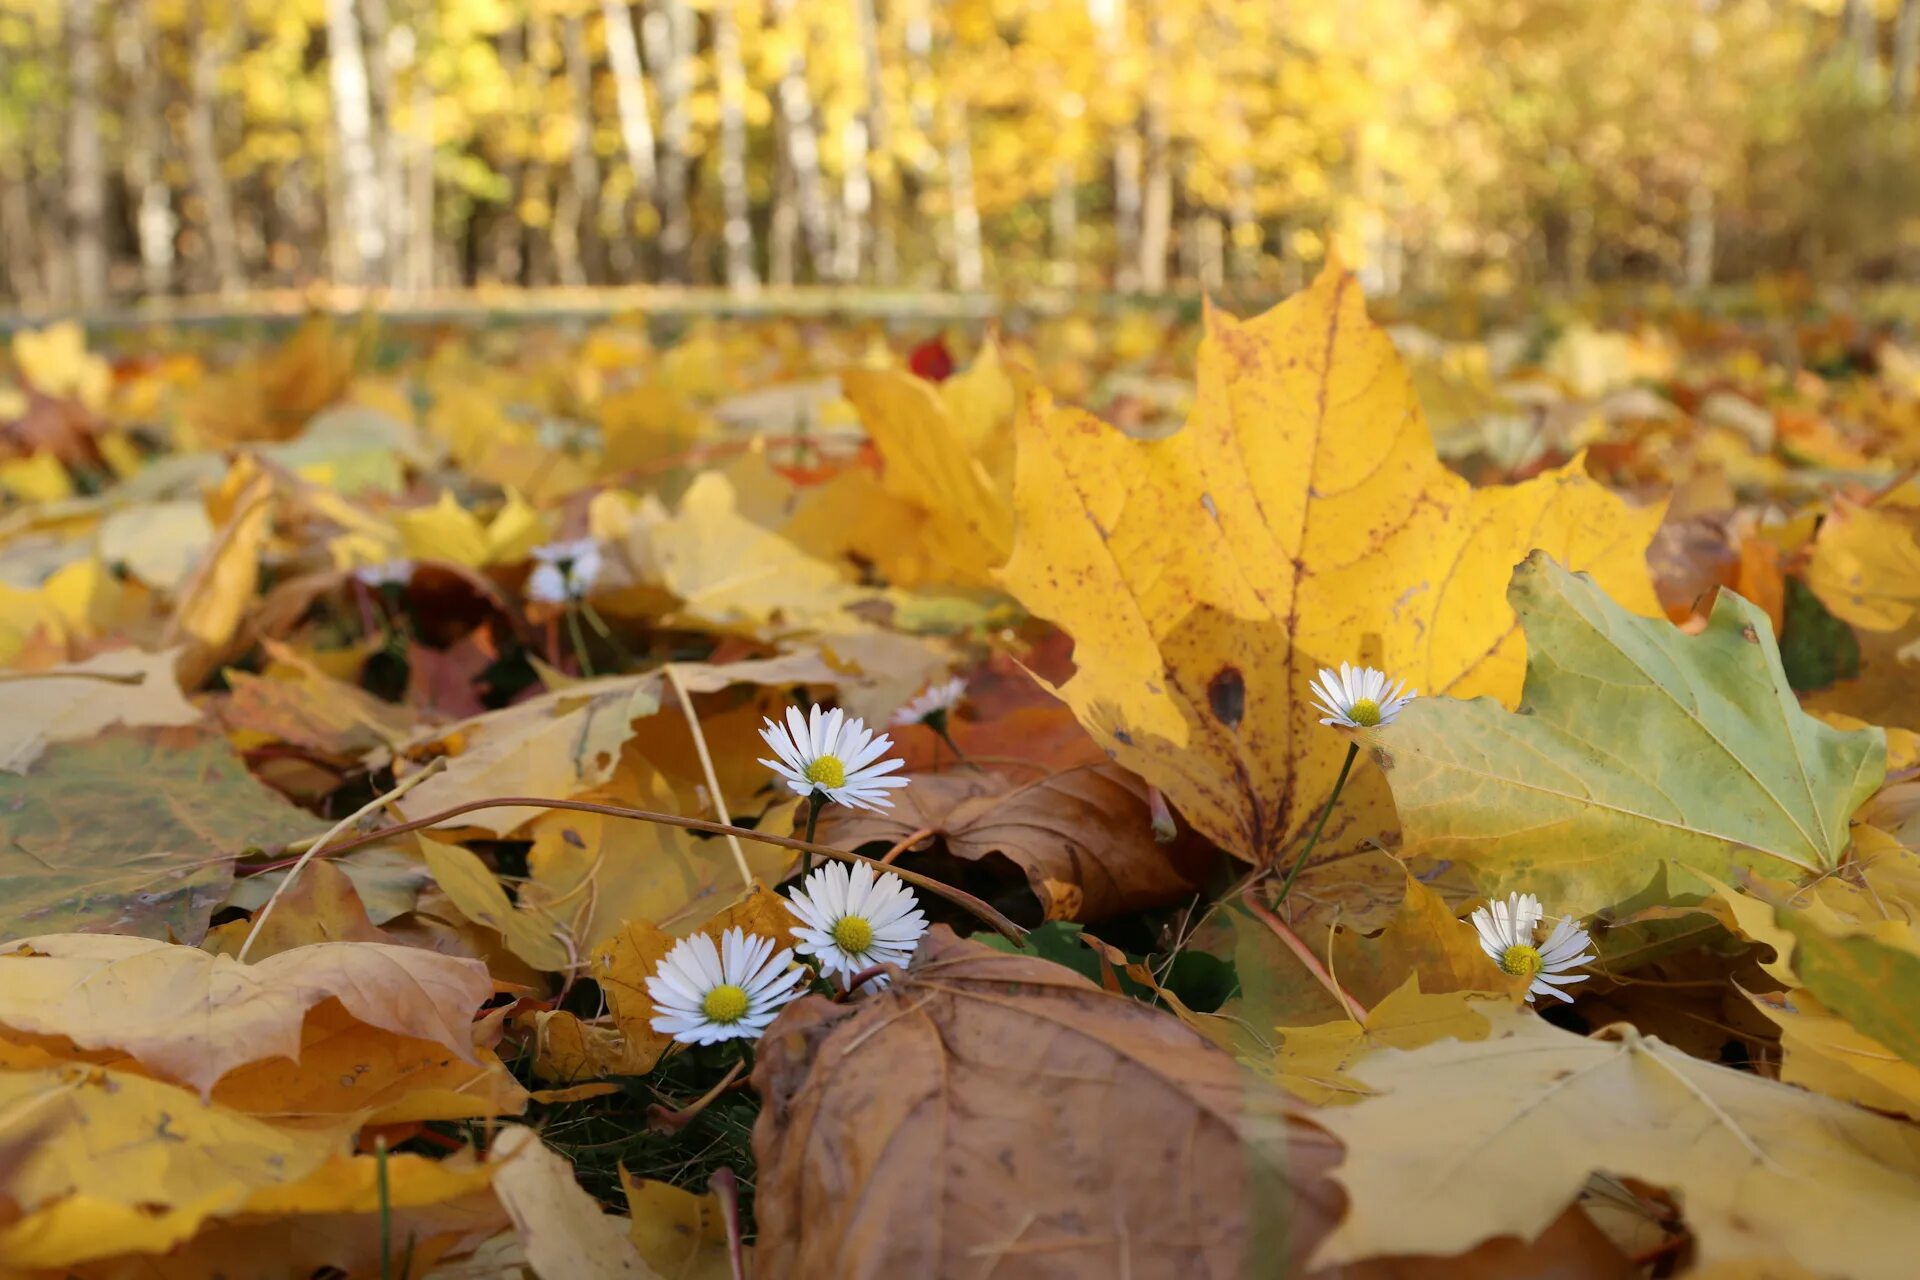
(55, 362)
(1300, 518)
(936, 442)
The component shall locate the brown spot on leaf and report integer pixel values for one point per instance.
(1227, 696)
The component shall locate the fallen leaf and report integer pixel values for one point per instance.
(1826, 1053)
(1865, 566)
(567, 741)
(67, 703)
(682, 1235)
(863, 1171)
(322, 906)
(1299, 519)
(146, 863)
(116, 1164)
(1633, 745)
(1868, 974)
(192, 1017)
(1084, 838)
(1312, 1062)
(214, 598)
(532, 935)
(566, 1234)
(1464, 1141)
(928, 436)
(1423, 939)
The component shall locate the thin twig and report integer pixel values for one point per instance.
(905, 843)
(313, 850)
(959, 897)
(720, 810)
(1305, 956)
(105, 677)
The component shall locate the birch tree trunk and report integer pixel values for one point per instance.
(736, 200)
(669, 33)
(138, 51)
(630, 93)
(203, 153)
(1109, 18)
(876, 155)
(575, 217)
(856, 202)
(1063, 225)
(364, 203)
(801, 145)
(1156, 214)
(969, 260)
(1906, 53)
(86, 172)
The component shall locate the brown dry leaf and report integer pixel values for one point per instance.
(294, 701)
(566, 1050)
(1082, 1110)
(272, 395)
(66, 703)
(322, 906)
(1083, 837)
(566, 1234)
(193, 1017)
(1299, 519)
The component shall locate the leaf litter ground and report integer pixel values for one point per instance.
(298, 628)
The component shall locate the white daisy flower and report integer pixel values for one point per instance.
(851, 921)
(835, 754)
(392, 573)
(703, 994)
(566, 571)
(1506, 933)
(1363, 699)
(935, 700)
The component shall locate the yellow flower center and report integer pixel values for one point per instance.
(852, 935)
(1520, 960)
(1364, 712)
(725, 1004)
(827, 771)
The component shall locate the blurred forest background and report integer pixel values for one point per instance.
(203, 147)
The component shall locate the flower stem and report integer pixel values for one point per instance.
(1353, 749)
(579, 640)
(386, 1211)
(815, 803)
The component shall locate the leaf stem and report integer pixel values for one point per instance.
(1304, 954)
(1353, 749)
(959, 897)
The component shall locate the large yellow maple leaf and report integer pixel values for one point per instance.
(1300, 518)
